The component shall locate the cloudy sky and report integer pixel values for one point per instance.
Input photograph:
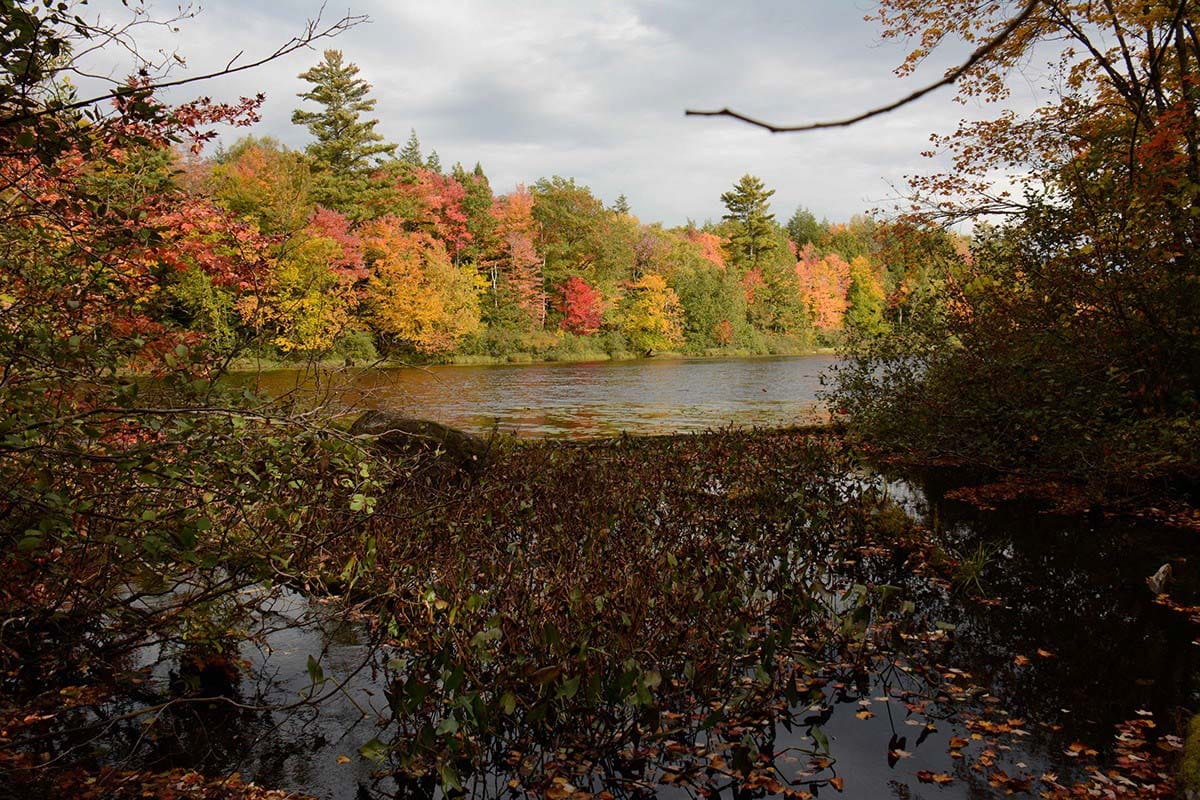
(597, 91)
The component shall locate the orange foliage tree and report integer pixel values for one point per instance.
(824, 282)
(416, 294)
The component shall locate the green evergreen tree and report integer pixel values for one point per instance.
(433, 163)
(803, 228)
(622, 205)
(411, 154)
(346, 143)
(753, 231)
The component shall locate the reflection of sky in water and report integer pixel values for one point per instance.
(589, 399)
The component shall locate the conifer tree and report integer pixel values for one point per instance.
(754, 225)
(411, 154)
(345, 142)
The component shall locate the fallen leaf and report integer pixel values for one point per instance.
(940, 778)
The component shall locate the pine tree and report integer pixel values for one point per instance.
(433, 163)
(411, 154)
(345, 143)
(622, 205)
(753, 225)
(803, 228)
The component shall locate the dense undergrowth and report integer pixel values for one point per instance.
(580, 619)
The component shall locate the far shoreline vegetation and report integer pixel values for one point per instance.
(372, 250)
(554, 355)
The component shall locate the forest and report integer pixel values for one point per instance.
(978, 570)
(369, 249)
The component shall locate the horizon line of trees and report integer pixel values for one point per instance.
(372, 248)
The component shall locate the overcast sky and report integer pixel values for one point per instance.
(597, 91)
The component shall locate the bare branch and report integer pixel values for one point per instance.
(988, 47)
(313, 32)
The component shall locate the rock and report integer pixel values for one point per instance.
(421, 437)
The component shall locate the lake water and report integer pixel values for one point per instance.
(581, 400)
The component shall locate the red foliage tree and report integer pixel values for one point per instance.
(582, 307)
(439, 199)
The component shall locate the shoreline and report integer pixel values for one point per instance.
(251, 365)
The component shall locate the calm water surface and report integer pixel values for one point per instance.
(582, 399)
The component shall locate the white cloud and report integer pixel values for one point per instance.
(597, 91)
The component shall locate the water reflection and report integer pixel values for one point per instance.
(579, 400)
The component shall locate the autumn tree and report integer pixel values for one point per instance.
(263, 181)
(864, 298)
(650, 316)
(417, 297)
(581, 307)
(824, 283)
(514, 267)
(1069, 342)
(311, 295)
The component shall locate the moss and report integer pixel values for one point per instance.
(1189, 767)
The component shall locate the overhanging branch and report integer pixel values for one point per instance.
(985, 50)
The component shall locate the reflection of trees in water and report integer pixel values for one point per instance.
(1072, 587)
(548, 399)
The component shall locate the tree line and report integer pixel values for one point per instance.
(370, 248)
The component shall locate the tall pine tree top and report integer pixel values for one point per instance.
(345, 143)
(747, 204)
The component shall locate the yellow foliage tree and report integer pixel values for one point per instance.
(650, 314)
(312, 295)
(416, 295)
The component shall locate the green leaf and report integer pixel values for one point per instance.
(569, 688)
(450, 779)
(373, 750)
(820, 738)
(315, 672)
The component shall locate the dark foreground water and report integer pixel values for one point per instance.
(1068, 645)
(580, 399)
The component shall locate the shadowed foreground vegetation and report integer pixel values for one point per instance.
(611, 618)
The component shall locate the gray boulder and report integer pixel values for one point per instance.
(407, 436)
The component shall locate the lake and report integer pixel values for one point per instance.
(581, 400)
